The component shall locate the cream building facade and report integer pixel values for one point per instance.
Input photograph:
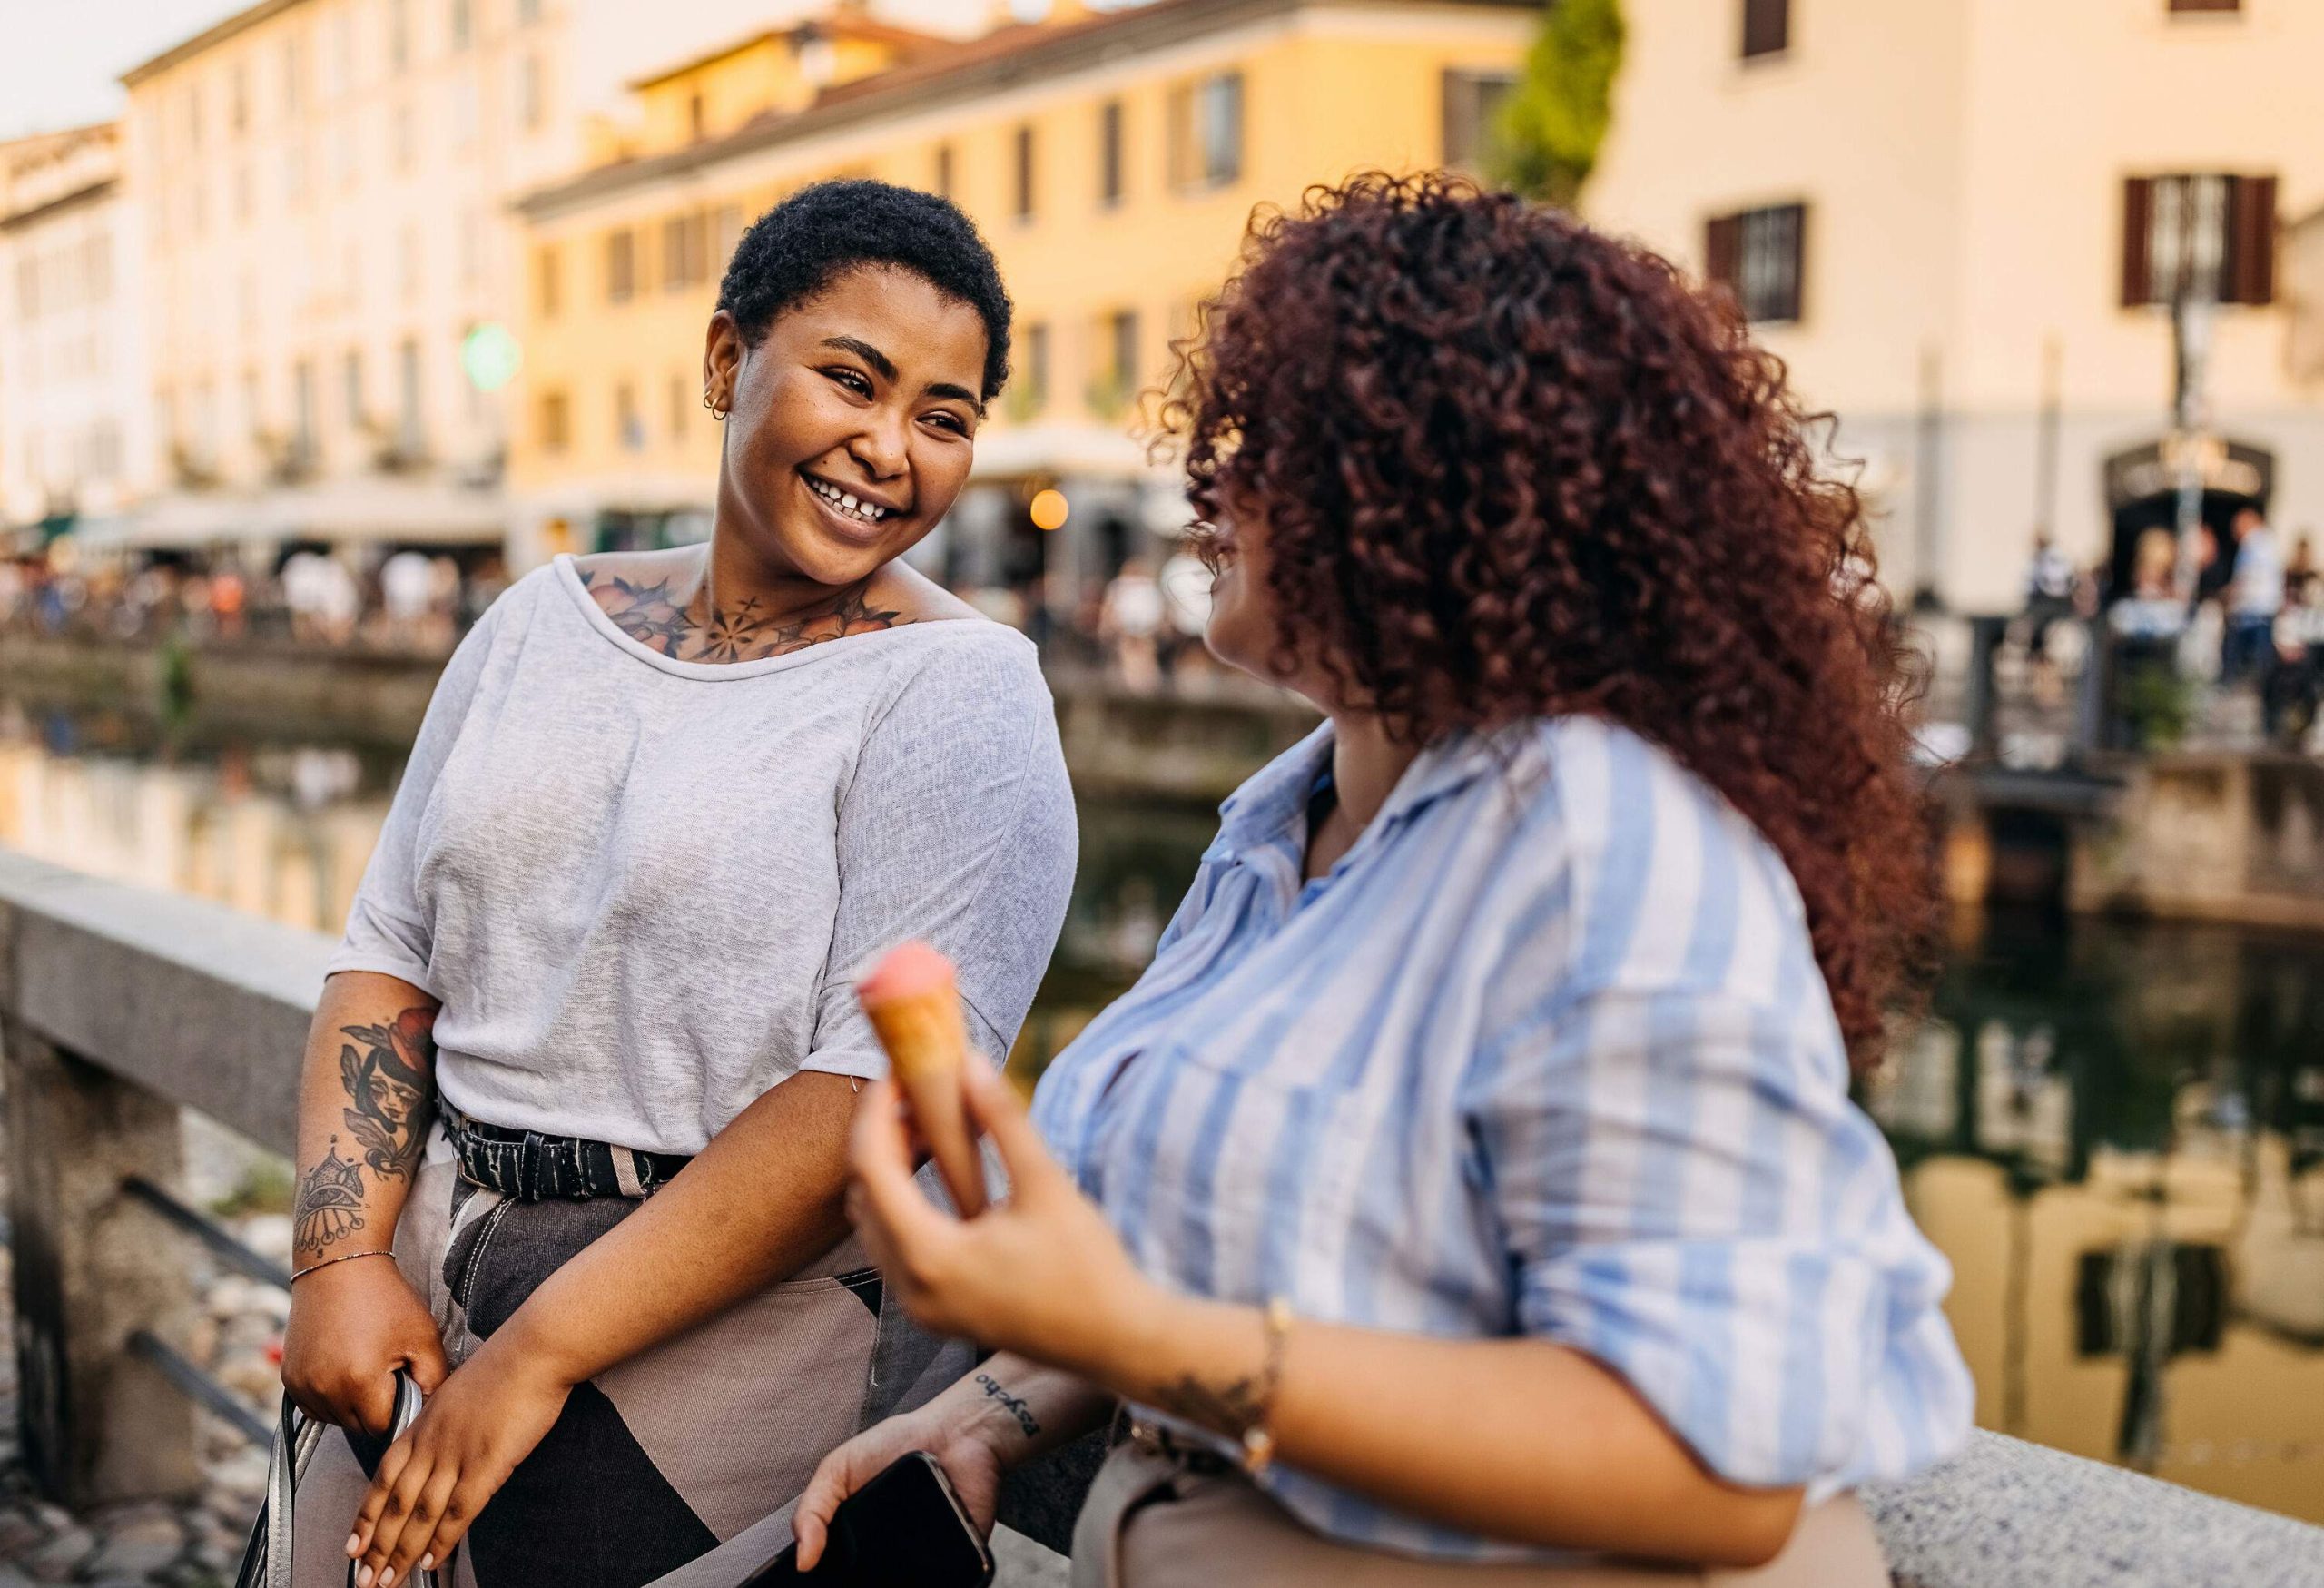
(323, 186)
(1934, 205)
(72, 377)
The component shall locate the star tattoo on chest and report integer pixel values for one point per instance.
(655, 615)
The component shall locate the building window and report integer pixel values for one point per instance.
(1760, 255)
(1109, 152)
(463, 25)
(1472, 102)
(350, 370)
(548, 282)
(944, 170)
(2209, 233)
(529, 12)
(697, 118)
(294, 76)
(1035, 394)
(726, 231)
(302, 408)
(621, 266)
(1118, 378)
(194, 118)
(556, 422)
(685, 251)
(1206, 131)
(1767, 28)
(407, 409)
(400, 33)
(238, 99)
(1024, 167)
(529, 102)
(2189, 7)
(629, 429)
(681, 406)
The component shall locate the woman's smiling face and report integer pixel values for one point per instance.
(852, 424)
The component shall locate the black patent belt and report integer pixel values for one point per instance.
(529, 1167)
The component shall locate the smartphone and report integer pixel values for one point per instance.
(904, 1529)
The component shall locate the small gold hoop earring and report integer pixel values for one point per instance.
(716, 413)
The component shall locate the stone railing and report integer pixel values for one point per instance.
(119, 1006)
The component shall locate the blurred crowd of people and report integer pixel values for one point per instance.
(409, 600)
(2254, 625)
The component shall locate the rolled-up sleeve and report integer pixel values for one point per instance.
(387, 929)
(1687, 1193)
(957, 828)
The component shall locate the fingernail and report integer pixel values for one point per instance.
(387, 1577)
(427, 1563)
(362, 1577)
(354, 1544)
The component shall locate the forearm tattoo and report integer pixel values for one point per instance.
(1229, 1408)
(388, 1074)
(690, 629)
(1013, 1405)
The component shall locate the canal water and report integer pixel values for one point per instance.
(2115, 1129)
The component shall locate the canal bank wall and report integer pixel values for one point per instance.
(1193, 745)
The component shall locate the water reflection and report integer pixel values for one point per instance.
(2114, 1131)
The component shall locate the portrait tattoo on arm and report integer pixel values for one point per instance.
(389, 1072)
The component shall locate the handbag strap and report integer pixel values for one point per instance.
(267, 1559)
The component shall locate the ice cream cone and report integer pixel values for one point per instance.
(914, 1004)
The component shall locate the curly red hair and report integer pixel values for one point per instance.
(1509, 466)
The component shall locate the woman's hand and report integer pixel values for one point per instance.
(352, 1325)
(454, 1458)
(1040, 1273)
(967, 1447)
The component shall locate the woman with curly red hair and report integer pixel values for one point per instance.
(1470, 1191)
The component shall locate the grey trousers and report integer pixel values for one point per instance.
(1149, 1523)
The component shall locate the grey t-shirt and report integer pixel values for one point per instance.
(643, 888)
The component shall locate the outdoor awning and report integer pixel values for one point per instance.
(410, 511)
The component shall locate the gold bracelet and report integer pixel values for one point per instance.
(342, 1258)
(1258, 1438)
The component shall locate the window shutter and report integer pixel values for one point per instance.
(2138, 235)
(1766, 27)
(2248, 275)
(1723, 249)
(1792, 294)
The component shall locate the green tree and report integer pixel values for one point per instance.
(1547, 136)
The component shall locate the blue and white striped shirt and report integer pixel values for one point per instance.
(1547, 1053)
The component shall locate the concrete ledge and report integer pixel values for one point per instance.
(204, 1005)
(208, 1008)
(2010, 1514)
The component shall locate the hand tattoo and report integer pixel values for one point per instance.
(330, 1206)
(1013, 1405)
(388, 1079)
(691, 631)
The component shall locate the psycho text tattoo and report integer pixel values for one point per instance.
(1013, 1405)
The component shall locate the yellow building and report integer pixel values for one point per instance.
(1111, 159)
(1958, 222)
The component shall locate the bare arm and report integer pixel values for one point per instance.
(764, 1200)
(1518, 1439)
(365, 1097)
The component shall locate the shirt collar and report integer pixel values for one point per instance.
(1271, 807)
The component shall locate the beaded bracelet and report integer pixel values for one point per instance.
(1258, 1438)
(342, 1258)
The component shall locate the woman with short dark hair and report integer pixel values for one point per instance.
(664, 806)
(1469, 1191)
